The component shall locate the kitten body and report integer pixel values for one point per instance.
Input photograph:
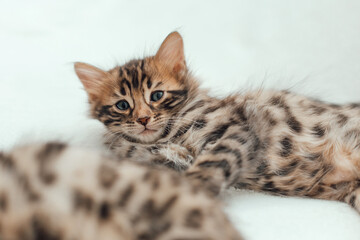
(272, 141)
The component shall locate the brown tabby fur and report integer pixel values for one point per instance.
(272, 141)
(55, 192)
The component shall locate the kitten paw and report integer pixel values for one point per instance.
(178, 155)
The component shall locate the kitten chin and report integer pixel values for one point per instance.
(149, 136)
(147, 132)
(144, 137)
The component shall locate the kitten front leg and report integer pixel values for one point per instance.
(177, 156)
(170, 155)
(219, 165)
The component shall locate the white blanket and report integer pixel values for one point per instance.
(311, 47)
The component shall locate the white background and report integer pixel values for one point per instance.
(309, 46)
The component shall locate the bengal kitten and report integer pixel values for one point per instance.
(271, 141)
(55, 192)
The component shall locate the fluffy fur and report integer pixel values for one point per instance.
(55, 192)
(272, 141)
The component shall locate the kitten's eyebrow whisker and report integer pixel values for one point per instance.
(159, 84)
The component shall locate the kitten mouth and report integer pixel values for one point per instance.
(147, 131)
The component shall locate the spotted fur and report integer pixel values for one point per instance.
(272, 141)
(54, 192)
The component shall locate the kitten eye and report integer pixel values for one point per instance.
(156, 96)
(122, 105)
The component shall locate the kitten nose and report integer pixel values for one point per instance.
(143, 120)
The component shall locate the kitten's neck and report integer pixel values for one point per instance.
(191, 116)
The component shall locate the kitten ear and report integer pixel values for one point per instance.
(171, 52)
(91, 77)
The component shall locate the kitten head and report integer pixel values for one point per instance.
(140, 100)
